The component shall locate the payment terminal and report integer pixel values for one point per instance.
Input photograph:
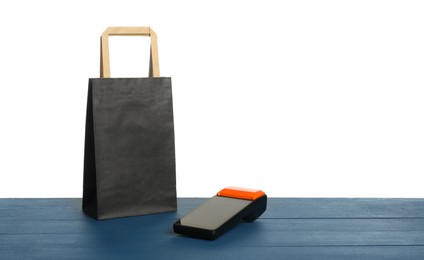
(223, 211)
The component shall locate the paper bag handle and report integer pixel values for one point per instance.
(128, 31)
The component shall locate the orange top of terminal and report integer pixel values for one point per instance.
(241, 193)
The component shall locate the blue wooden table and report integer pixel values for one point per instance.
(289, 229)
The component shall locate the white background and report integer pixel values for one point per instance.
(297, 98)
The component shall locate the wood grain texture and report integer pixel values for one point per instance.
(292, 228)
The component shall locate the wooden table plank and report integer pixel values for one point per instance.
(289, 229)
(144, 224)
(213, 253)
(345, 208)
(241, 236)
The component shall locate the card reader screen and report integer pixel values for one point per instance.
(214, 213)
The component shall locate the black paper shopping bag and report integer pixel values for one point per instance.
(129, 161)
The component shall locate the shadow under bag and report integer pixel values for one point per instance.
(129, 160)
